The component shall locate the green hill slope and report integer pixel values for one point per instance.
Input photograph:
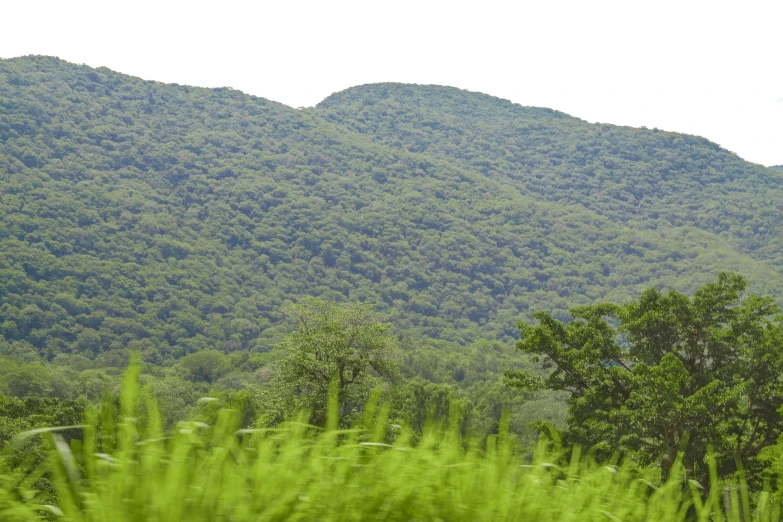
(172, 219)
(637, 177)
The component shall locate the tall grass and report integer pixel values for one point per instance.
(127, 469)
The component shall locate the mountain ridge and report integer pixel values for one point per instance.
(636, 176)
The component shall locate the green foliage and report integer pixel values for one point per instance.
(206, 365)
(67, 378)
(344, 345)
(19, 454)
(645, 179)
(124, 469)
(438, 374)
(18, 415)
(702, 372)
(171, 219)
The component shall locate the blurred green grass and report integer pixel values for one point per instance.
(125, 468)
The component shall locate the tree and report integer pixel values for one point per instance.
(18, 415)
(206, 365)
(348, 343)
(417, 402)
(674, 370)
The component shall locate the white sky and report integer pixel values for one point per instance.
(710, 68)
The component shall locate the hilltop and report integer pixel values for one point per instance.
(641, 178)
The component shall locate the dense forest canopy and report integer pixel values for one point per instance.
(643, 178)
(171, 219)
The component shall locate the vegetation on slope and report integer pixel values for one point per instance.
(173, 219)
(644, 178)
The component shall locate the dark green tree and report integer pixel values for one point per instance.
(20, 415)
(206, 365)
(667, 372)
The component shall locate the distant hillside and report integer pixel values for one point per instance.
(172, 218)
(777, 167)
(645, 179)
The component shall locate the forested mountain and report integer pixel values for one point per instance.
(642, 178)
(173, 219)
(175, 235)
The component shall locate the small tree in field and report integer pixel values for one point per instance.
(704, 370)
(347, 343)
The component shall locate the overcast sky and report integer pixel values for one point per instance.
(709, 68)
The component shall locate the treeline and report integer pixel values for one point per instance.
(432, 377)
